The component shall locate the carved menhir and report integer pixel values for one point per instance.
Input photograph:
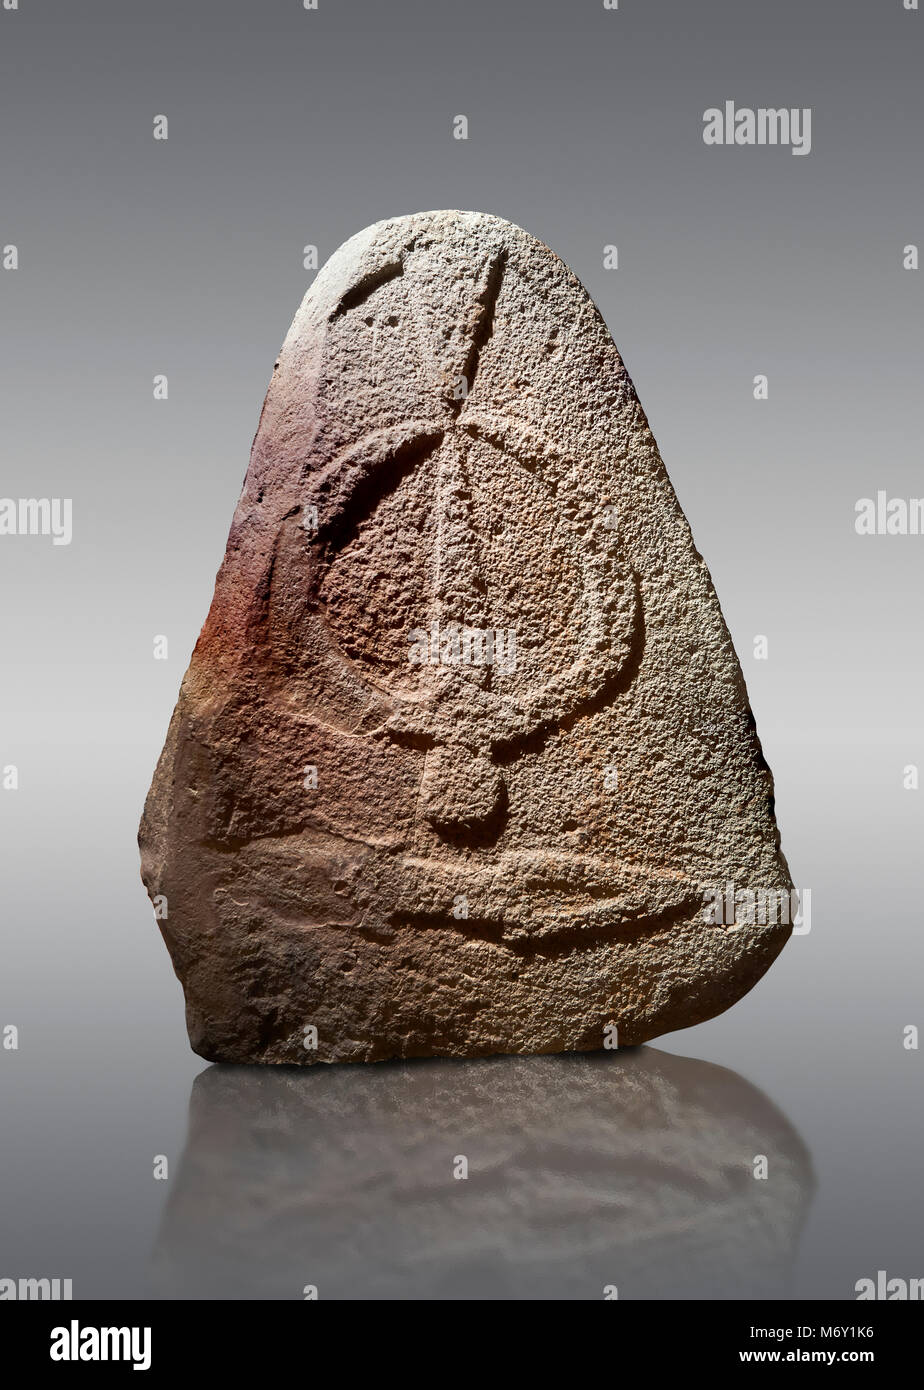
(463, 747)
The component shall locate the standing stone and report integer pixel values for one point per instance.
(463, 748)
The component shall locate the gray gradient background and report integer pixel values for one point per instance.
(139, 257)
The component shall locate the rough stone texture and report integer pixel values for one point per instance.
(634, 1169)
(451, 438)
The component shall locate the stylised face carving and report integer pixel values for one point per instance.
(466, 570)
(476, 655)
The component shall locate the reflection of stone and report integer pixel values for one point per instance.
(567, 795)
(631, 1168)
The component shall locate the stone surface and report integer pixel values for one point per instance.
(464, 743)
(634, 1169)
